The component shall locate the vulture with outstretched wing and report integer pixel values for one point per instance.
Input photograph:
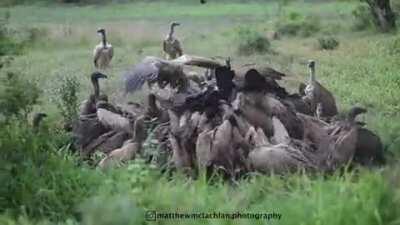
(153, 69)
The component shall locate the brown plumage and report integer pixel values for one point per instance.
(280, 158)
(103, 52)
(315, 93)
(129, 150)
(171, 45)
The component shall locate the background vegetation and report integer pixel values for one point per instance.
(46, 65)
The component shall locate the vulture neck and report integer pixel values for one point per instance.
(104, 40)
(96, 88)
(171, 32)
(312, 75)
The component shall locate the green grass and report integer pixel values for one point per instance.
(46, 185)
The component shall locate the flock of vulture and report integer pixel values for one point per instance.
(228, 120)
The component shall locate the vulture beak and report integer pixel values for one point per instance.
(101, 31)
(98, 75)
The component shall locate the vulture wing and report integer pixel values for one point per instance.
(96, 54)
(111, 52)
(264, 71)
(147, 70)
(191, 60)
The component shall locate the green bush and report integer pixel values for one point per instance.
(363, 19)
(17, 95)
(7, 45)
(327, 43)
(251, 41)
(393, 46)
(65, 97)
(298, 26)
(38, 179)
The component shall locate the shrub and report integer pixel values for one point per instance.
(7, 45)
(65, 97)
(327, 43)
(37, 179)
(297, 26)
(393, 46)
(363, 18)
(252, 41)
(17, 95)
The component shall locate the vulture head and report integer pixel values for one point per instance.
(97, 75)
(101, 31)
(95, 81)
(354, 112)
(253, 80)
(311, 64)
(175, 24)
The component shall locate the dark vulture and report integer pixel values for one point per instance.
(89, 106)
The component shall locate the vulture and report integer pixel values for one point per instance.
(280, 158)
(153, 111)
(172, 46)
(259, 108)
(369, 147)
(163, 72)
(103, 52)
(253, 80)
(315, 93)
(129, 150)
(89, 105)
(112, 120)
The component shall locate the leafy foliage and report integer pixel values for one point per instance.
(362, 18)
(38, 178)
(328, 43)
(7, 45)
(296, 25)
(251, 41)
(17, 95)
(66, 97)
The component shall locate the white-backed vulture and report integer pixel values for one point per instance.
(369, 147)
(89, 106)
(129, 150)
(181, 139)
(223, 149)
(316, 93)
(281, 135)
(112, 120)
(103, 52)
(153, 111)
(163, 72)
(259, 108)
(250, 108)
(280, 158)
(171, 45)
(106, 142)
